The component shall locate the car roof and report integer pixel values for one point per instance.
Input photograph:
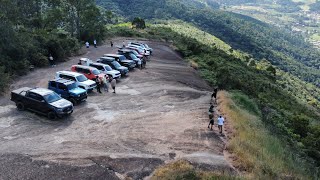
(125, 50)
(100, 64)
(70, 73)
(63, 81)
(112, 55)
(107, 58)
(85, 59)
(41, 91)
(85, 67)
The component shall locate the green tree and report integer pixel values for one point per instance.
(138, 23)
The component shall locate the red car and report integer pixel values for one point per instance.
(88, 71)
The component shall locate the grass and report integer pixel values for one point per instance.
(203, 37)
(181, 169)
(255, 150)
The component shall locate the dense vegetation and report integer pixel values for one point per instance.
(295, 122)
(315, 7)
(285, 50)
(33, 29)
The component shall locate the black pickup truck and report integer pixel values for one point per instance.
(42, 101)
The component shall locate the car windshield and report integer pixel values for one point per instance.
(96, 72)
(133, 56)
(134, 52)
(72, 86)
(52, 97)
(81, 78)
(116, 64)
(146, 45)
(108, 68)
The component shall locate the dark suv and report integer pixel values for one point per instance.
(114, 65)
(129, 54)
(129, 63)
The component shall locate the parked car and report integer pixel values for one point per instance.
(114, 65)
(143, 50)
(80, 80)
(139, 50)
(130, 55)
(141, 57)
(90, 72)
(123, 60)
(142, 45)
(68, 89)
(106, 69)
(42, 101)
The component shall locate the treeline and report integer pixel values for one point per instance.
(30, 30)
(285, 50)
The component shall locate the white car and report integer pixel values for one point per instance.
(80, 79)
(142, 46)
(106, 69)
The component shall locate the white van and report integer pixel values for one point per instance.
(80, 79)
(106, 69)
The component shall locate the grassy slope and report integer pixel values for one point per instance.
(303, 91)
(256, 151)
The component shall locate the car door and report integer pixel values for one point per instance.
(62, 90)
(35, 102)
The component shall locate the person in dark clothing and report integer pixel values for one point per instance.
(211, 122)
(111, 43)
(214, 94)
(98, 84)
(211, 109)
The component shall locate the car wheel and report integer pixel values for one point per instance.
(52, 116)
(20, 106)
(73, 101)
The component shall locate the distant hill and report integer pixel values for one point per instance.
(287, 51)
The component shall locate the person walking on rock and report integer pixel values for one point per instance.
(214, 94)
(113, 84)
(105, 83)
(220, 123)
(211, 121)
(98, 83)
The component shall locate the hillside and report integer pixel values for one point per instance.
(262, 41)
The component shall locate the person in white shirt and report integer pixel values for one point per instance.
(95, 43)
(87, 44)
(220, 123)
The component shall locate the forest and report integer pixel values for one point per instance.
(33, 29)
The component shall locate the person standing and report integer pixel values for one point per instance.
(123, 44)
(98, 83)
(95, 43)
(87, 44)
(220, 123)
(211, 122)
(111, 43)
(51, 61)
(105, 83)
(113, 84)
(214, 95)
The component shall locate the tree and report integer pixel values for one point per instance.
(138, 23)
